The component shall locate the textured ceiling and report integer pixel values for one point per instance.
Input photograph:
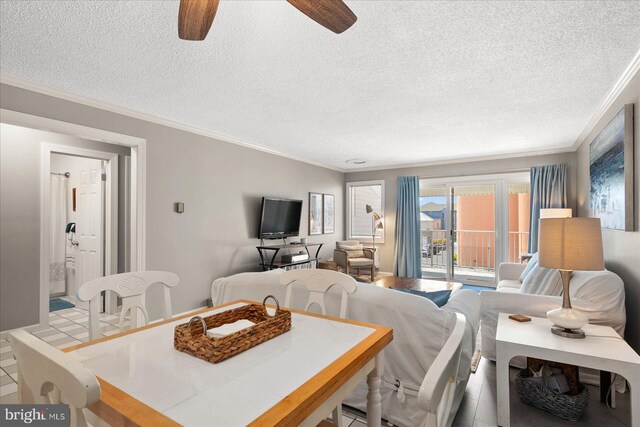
(409, 82)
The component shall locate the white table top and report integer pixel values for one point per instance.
(600, 342)
(192, 391)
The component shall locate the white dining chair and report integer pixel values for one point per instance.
(439, 385)
(318, 282)
(48, 376)
(131, 287)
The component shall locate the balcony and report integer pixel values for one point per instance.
(473, 255)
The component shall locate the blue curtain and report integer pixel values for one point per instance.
(407, 259)
(548, 190)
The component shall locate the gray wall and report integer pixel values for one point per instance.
(390, 177)
(220, 183)
(621, 249)
(20, 152)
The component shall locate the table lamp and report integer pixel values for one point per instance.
(374, 226)
(569, 244)
(555, 213)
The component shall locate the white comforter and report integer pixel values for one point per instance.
(420, 329)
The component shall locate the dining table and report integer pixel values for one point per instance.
(295, 378)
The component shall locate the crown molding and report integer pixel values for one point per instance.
(68, 96)
(609, 99)
(464, 160)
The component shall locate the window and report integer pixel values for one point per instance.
(360, 223)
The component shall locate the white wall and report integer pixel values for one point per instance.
(621, 249)
(221, 185)
(20, 152)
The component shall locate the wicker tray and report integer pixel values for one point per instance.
(561, 405)
(192, 337)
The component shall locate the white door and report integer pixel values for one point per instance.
(90, 224)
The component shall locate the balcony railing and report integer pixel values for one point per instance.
(473, 249)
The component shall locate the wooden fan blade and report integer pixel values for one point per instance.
(195, 18)
(332, 14)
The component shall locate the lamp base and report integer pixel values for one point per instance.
(568, 333)
(567, 322)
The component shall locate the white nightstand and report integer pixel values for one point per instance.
(602, 349)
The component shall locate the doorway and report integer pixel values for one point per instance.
(469, 225)
(135, 191)
(77, 217)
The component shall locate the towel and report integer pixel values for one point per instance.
(229, 328)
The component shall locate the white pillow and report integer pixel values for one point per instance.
(532, 263)
(542, 281)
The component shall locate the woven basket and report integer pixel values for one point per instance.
(192, 338)
(561, 405)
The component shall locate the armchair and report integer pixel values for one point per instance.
(350, 254)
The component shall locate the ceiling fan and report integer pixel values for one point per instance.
(195, 16)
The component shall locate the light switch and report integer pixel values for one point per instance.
(179, 207)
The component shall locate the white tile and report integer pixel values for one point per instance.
(7, 362)
(69, 344)
(109, 333)
(2, 373)
(81, 335)
(69, 328)
(8, 389)
(58, 321)
(54, 337)
(14, 376)
(10, 399)
(346, 421)
(6, 349)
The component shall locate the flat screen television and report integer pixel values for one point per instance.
(280, 218)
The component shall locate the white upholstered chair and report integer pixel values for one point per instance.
(48, 376)
(318, 282)
(131, 287)
(438, 387)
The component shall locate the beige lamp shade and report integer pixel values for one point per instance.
(555, 213)
(570, 244)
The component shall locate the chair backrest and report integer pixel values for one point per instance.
(439, 385)
(318, 282)
(131, 287)
(48, 376)
(340, 244)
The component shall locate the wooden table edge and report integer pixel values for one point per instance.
(119, 408)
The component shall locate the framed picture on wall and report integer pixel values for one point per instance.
(315, 214)
(329, 212)
(611, 172)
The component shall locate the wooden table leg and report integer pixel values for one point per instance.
(374, 408)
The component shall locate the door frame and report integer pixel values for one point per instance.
(501, 182)
(110, 210)
(137, 223)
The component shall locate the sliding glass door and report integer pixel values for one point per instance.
(474, 233)
(469, 226)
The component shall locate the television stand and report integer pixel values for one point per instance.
(268, 254)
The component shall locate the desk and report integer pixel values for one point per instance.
(602, 349)
(293, 379)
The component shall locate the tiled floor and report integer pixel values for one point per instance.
(67, 327)
(478, 408)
